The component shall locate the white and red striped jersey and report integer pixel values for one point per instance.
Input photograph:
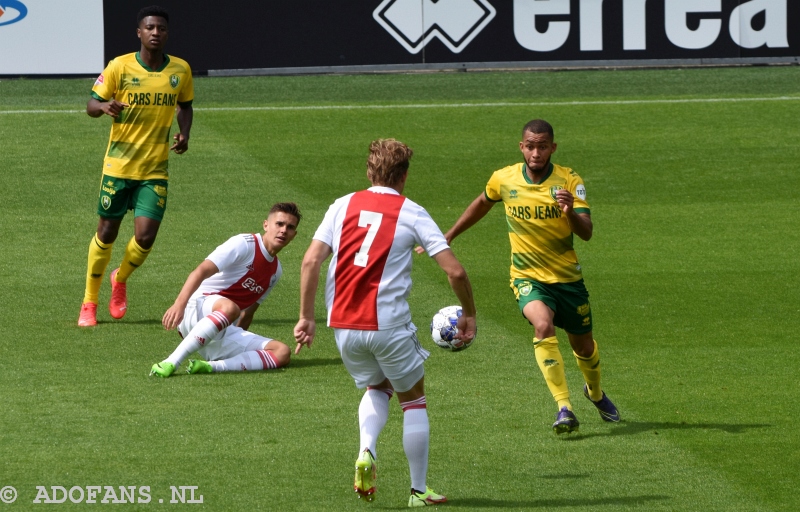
(372, 234)
(247, 273)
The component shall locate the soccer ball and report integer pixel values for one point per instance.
(444, 330)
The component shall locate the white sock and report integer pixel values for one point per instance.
(372, 415)
(205, 329)
(246, 361)
(416, 437)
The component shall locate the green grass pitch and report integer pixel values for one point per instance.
(693, 269)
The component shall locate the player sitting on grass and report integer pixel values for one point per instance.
(228, 286)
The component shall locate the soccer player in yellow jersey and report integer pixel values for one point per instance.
(141, 91)
(545, 206)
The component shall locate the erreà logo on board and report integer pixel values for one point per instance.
(12, 11)
(552, 26)
(414, 23)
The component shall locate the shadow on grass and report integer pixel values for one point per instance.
(306, 363)
(626, 428)
(628, 501)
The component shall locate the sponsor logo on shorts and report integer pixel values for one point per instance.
(174, 80)
(525, 288)
(108, 190)
(160, 190)
(105, 202)
(584, 309)
(586, 321)
(162, 203)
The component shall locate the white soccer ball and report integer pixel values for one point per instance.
(444, 330)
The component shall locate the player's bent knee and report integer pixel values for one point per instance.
(543, 329)
(280, 351)
(582, 344)
(228, 308)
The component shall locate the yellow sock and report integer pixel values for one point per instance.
(99, 256)
(590, 367)
(552, 365)
(133, 259)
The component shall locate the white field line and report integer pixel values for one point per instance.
(450, 105)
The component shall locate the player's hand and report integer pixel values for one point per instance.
(304, 333)
(181, 144)
(173, 317)
(113, 108)
(565, 199)
(467, 328)
(419, 249)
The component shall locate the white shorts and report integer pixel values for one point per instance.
(373, 356)
(229, 342)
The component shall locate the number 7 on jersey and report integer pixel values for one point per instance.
(373, 221)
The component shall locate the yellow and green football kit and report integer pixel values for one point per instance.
(540, 236)
(138, 147)
(135, 168)
(544, 265)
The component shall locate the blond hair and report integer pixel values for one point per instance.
(388, 162)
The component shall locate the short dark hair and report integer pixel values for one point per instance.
(538, 126)
(388, 161)
(153, 10)
(288, 208)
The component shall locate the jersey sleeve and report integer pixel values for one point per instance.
(578, 189)
(232, 252)
(106, 84)
(429, 236)
(186, 95)
(326, 230)
(492, 191)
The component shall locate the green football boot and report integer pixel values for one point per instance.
(162, 369)
(198, 366)
(423, 499)
(366, 475)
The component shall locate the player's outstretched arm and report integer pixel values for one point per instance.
(306, 326)
(459, 282)
(174, 314)
(474, 212)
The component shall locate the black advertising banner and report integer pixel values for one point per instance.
(213, 35)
